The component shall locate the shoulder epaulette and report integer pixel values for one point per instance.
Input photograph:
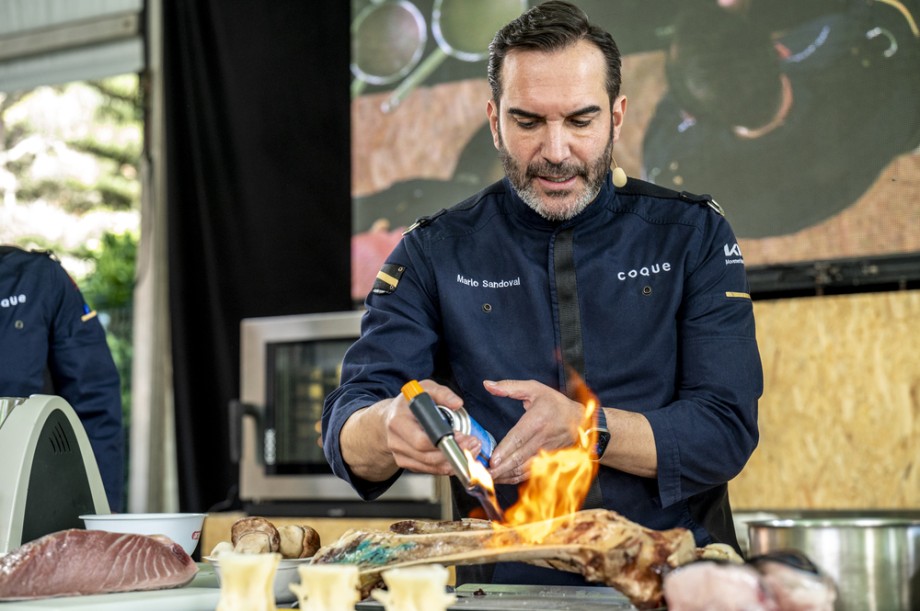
(47, 253)
(423, 221)
(634, 186)
(703, 200)
(641, 187)
(7, 248)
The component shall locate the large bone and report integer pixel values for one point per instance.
(601, 545)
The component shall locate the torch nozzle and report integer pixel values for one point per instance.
(493, 511)
(449, 447)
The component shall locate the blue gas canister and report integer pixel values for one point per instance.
(460, 421)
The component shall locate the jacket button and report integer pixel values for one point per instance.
(487, 307)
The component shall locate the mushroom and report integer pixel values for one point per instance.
(298, 541)
(254, 536)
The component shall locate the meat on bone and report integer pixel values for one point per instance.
(601, 545)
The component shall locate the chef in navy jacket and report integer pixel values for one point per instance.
(639, 289)
(51, 342)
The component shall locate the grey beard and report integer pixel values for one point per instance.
(522, 181)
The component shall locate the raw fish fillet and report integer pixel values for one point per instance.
(73, 562)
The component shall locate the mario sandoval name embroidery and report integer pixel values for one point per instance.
(489, 284)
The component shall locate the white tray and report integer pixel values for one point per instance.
(199, 595)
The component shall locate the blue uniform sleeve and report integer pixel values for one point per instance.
(398, 343)
(705, 437)
(84, 374)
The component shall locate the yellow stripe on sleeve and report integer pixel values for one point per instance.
(382, 275)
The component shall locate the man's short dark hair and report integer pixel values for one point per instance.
(552, 26)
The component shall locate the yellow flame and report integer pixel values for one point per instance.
(478, 473)
(559, 479)
(480, 476)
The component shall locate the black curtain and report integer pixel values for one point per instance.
(258, 197)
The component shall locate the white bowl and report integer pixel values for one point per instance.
(285, 575)
(183, 528)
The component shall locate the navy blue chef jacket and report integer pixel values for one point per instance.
(667, 330)
(51, 342)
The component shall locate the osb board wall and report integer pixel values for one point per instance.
(840, 415)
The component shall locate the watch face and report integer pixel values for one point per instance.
(603, 438)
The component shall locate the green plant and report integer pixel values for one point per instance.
(111, 283)
(109, 289)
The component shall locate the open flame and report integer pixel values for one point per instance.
(480, 476)
(559, 479)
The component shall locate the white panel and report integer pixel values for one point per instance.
(17, 16)
(85, 63)
(58, 41)
(99, 30)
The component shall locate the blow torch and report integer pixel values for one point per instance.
(441, 435)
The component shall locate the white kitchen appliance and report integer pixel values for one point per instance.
(49, 475)
(288, 364)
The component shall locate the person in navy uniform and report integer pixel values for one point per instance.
(561, 266)
(53, 343)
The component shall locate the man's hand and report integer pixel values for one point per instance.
(550, 422)
(380, 439)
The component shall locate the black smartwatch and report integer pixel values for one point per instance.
(603, 434)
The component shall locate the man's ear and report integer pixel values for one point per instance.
(617, 114)
(494, 123)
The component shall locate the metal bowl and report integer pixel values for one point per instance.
(875, 561)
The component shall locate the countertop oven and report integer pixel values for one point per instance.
(288, 364)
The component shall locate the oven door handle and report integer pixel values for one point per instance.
(239, 410)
